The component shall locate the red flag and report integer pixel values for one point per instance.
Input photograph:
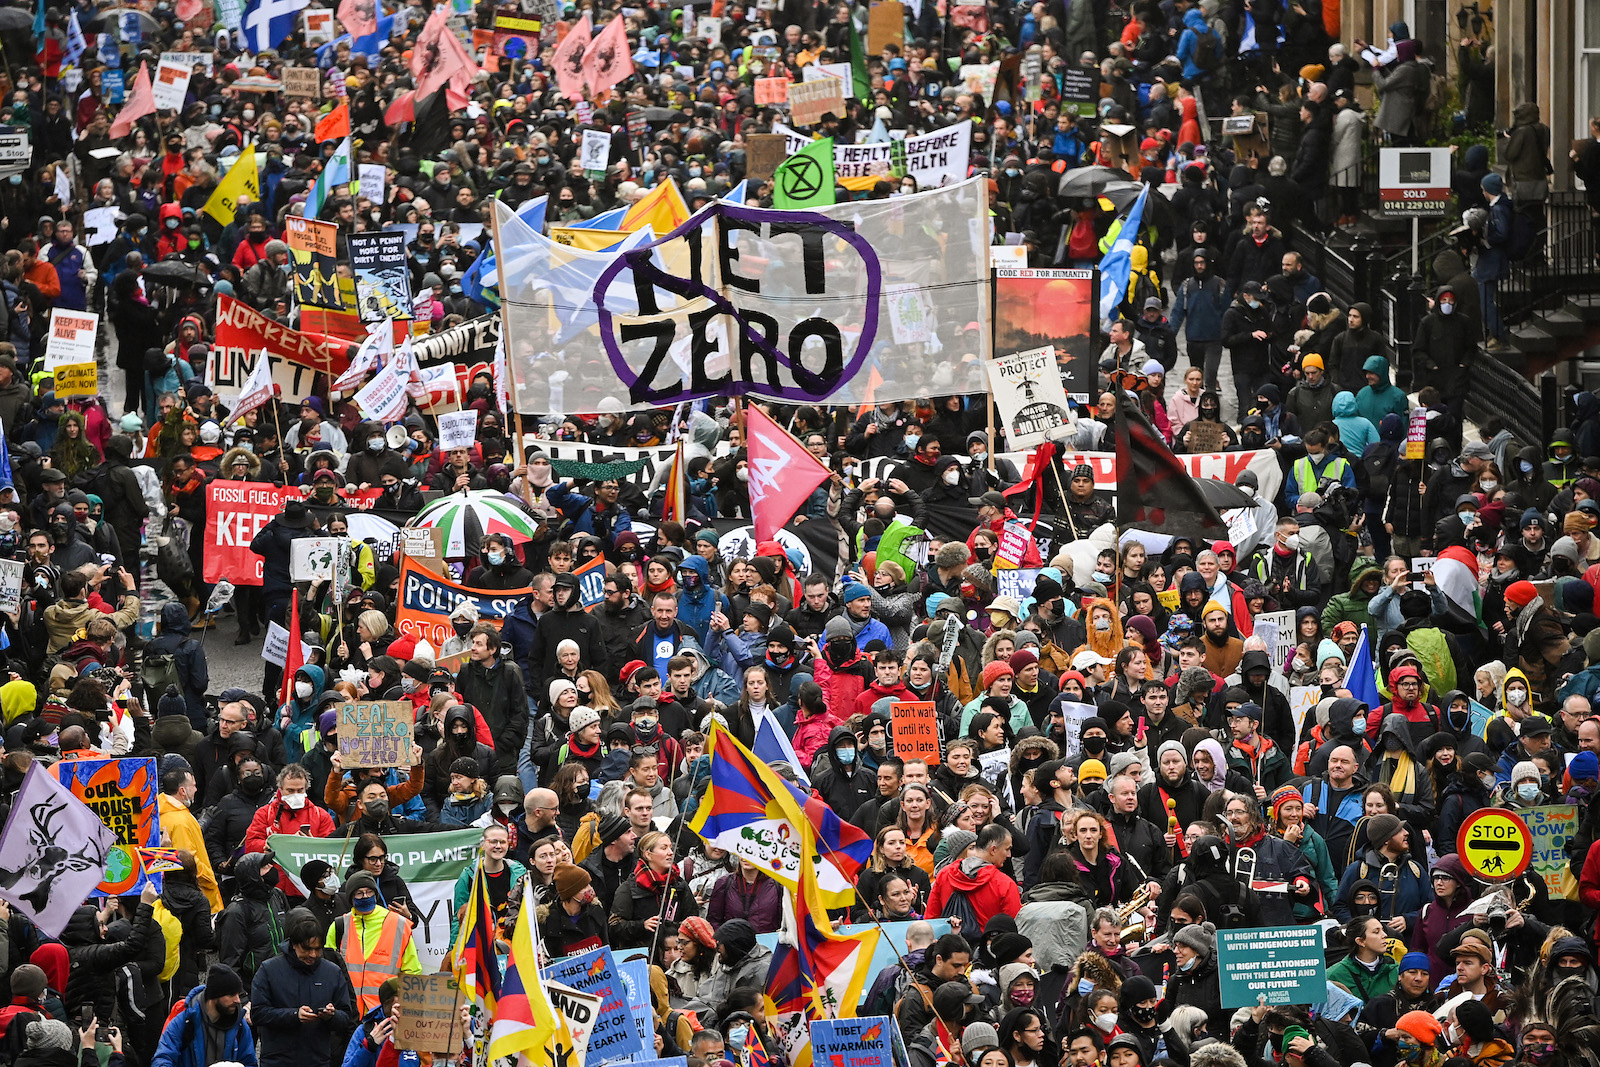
(569, 60)
(403, 109)
(782, 473)
(141, 102)
(1154, 490)
(292, 659)
(608, 60)
(675, 503)
(358, 17)
(335, 125)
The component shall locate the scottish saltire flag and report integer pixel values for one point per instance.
(266, 22)
(1247, 42)
(606, 220)
(336, 173)
(478, 277)
(1360, 678)
(753, 812)
(1116, 266)
(739, 193)
(772, 745)
(477, 968)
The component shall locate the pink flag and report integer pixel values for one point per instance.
(569, 60)
(258, 389)
(141, 102)
(358, 17)
(439, 57)
(782, 473)
(608, 60)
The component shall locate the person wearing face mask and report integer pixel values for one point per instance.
(839, 773)
(458, 741)
(231, 819)
(374, 941)
(371, 457)
(288, 810)
(1247, 334)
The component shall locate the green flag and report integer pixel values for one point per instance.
(805, 179)
(858, 63)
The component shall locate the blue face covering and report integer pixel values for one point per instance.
(364, 905)
(845, 756)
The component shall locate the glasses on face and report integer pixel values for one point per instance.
(232, 722)
(375, 857)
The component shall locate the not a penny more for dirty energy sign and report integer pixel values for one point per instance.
(1283, 963)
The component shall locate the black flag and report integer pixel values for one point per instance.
(1153, 489)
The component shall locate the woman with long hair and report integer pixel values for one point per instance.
(897, 900)
(571, 787)
(542, 859)
(1023, 1028)
(641, 901)
(1101, 875)
(917, 822)
(891, 857)
(595, 692)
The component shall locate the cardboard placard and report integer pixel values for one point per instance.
(772, 92)
(916, 730)
(809, 101)
(302, 83)
(11, 585)
(430, 1013)
(318, 25)
(762, 154)
(886, 24)
(458, 429)
(376, 733)
(170, 85)
(77, 379)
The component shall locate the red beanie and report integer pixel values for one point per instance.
(995, 669)
(1520, 594)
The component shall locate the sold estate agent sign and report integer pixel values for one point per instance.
(1414, 181)
(1284, 964)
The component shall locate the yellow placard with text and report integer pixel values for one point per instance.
(77, 379)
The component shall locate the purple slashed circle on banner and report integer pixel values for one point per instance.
(808, 386)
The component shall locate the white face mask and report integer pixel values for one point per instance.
(1517, 696)
(1105, 1022)
(1528, 791)
(294, 801)
(1488, 485)
(952, 476)
(302, 690)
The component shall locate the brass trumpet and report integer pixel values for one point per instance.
(1133, 924)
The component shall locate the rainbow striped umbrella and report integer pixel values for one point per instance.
(468, 516)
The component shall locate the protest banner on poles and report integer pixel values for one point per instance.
(243, 333)
(426, 600)
(235, 513)
(122, 794)
(429, 864)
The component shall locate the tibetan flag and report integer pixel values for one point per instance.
(662, 209)
(160, 860)
(755, 813)
(242, 178)
(476, 967)
(524, 1019)
(675, 505)
(755, 1053)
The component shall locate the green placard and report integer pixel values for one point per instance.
(1283, 962)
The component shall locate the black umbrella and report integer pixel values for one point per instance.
(1224, 495)
(1089, 181)
(177, 273)
(663, 114)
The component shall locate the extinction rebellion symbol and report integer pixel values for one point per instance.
(802, 178)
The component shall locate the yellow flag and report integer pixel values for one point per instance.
(242, 177)
(662, 209)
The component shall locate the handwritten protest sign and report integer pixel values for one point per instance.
(809, 101)
(772, 92)
(376, 733)
(430, 1013)
(1552, 827)
(11, 585)
(916, 730)
(122, 794)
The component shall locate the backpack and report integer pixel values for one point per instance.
(957, 906)
(158, 672)
(172, 932)
(1207, 55)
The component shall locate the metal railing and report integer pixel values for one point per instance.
(1562, 264)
